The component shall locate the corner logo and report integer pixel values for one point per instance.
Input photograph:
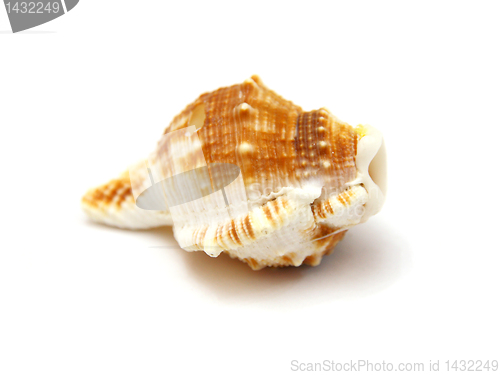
(24, 15)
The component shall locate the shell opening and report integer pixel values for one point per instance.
(378, 169)
(371, 165)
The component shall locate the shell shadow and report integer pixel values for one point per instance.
(369, 259)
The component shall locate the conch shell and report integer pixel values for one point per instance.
(243, 171)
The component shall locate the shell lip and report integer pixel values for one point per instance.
(371, 165)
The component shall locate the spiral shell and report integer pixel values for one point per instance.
(243, 171)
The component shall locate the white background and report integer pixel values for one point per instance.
(85, 95)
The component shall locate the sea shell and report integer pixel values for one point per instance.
(243, 171)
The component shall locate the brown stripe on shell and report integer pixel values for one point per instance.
(274, 213)
(275, 205)
(234, 234)
(322, 210)
(267, 212)
(247, 227)
(341, 199)
(114, 193)
(199, 237)
(218, 237)
(345, 197)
